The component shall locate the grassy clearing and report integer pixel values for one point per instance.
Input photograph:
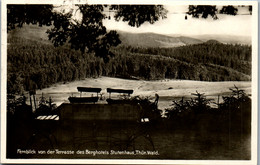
(168, 90)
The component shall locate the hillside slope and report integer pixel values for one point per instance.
(34, 63)
(37, 33)
(155, 40)
(226, 39)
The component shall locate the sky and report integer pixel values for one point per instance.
(175, 24)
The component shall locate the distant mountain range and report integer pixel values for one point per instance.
(33, 32)
(155, 40)
(226, 39)
(160, 40)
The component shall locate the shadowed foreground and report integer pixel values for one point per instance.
(134, 129)
(206, 139)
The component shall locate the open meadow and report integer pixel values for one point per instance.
(168, 90)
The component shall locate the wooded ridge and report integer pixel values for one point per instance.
(33, 64)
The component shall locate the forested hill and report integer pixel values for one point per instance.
(149, 40)
(33, 63)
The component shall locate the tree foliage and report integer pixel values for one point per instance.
(39, 65)
(231, 10)
(232, 111)
(250, 8)
(136, 15)
(88, 34)
(34, 65)
(203, 11)
(17, 15)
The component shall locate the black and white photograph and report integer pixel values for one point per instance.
(129, 82)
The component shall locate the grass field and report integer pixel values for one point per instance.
(168, 90)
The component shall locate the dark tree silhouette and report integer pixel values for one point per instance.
(250, 9)
(231, 10)
(88, 34)
(136, 15)
(85, 34)
(17, 15)
(203, 10)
